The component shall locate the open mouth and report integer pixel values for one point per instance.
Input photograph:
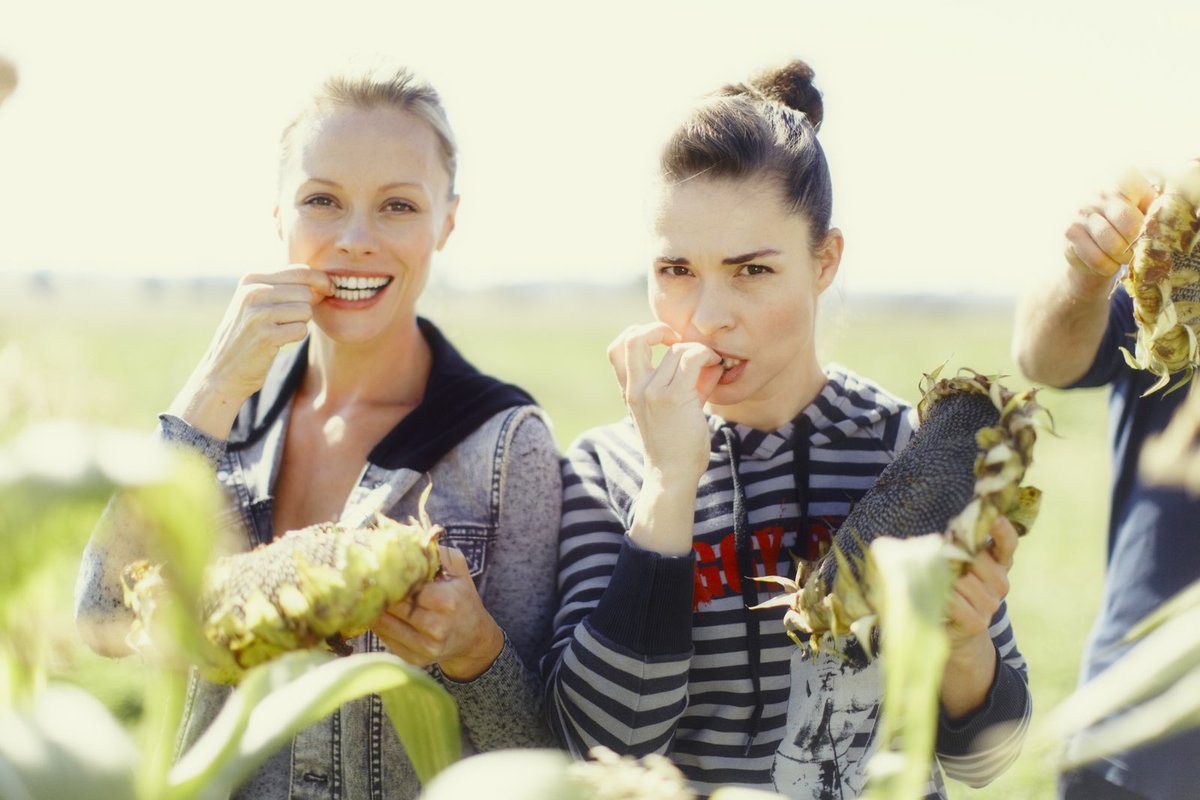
(731, 369)
(357, 287)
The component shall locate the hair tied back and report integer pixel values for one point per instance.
(791, 85)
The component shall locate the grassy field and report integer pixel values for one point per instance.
(118, 362)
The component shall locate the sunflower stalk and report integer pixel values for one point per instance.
(912, 594)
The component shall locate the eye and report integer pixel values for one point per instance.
(395, 206)
(319, 201)
(755, 269)
(674, 271)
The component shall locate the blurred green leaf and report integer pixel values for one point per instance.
(1187, 598)
(1151, 666)
(277, 699)
(65, 744)
(1151, 691)
(1176, 709)
(78, 457)
(176, 517)
(508, 775)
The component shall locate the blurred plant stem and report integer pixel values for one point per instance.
(912, 589)
(164, 710)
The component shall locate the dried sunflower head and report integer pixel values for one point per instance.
(313, 587)
(1164, 281)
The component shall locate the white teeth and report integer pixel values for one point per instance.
(728, 362)
(357, 287)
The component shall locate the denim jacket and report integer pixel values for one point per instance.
(496, 492)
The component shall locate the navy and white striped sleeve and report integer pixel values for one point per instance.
(975, 750)
(618, 666)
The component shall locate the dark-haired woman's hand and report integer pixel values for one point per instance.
(666, 403)
(974, 601)
(268, 311)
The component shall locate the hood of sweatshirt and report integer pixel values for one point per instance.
(847, 405)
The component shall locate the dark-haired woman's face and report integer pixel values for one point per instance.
(735, 270)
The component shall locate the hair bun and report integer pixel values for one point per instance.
(792, 85)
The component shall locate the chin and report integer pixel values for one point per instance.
(343, 333)
(727, 396)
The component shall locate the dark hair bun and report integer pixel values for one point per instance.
(792, 86)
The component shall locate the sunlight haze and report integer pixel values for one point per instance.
(962, 136)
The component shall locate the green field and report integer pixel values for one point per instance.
(118, 363)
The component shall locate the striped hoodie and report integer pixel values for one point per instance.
(660, 654)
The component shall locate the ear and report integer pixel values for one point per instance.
(829, 258)
(448, 224)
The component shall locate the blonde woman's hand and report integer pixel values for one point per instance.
(268, 311)
(445, 623)
(667, 401)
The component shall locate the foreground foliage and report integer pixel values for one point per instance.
(58, 741)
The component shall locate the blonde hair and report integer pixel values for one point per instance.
(397, 89)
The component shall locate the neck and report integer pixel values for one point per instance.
(392, 370)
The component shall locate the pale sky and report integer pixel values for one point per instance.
(962, 136)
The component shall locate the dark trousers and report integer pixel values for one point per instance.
(1084, 785)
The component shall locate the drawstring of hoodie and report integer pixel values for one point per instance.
(744, 549)
(745, 561)
(800, 473)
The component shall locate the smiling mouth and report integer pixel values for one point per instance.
(346, 287)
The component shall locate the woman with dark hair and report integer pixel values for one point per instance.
(371, 406)
(739, 451)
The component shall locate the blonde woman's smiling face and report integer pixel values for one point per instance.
(365, 198)
(735, 271)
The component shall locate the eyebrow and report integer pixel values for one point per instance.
(745, 257)
(678, 261)
(387, 188)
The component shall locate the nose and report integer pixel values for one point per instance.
(356, 237)
(713, 310)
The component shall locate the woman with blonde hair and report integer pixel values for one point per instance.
(371, 405)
